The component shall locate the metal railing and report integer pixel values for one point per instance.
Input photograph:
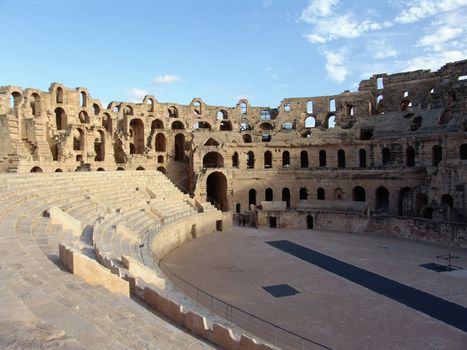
(257, 326)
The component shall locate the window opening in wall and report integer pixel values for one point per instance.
(410, 156)
(272, 222)
(303, 194)
(462, 77)
(247, 138)
(266, 138)
(331, 122)
(366, 134)
(285, 159)
(221, 115)
(303, 159)
(405, 94)
(309, 107)
(382, 200)
(237, 208)
(251, 197)
(287, 126)
(320, 194)
(309, 222)
(437, 154)
(341, 158)
(286, 196)
(287, 107)
(386, 155)
(463, 151)
(432, 91)
(244, 126)
(379, 83)
(268, 195)
(243, 108)
(265, 115)
(358, 194)
(267, 159)
(310, 122)
(322, 158)
(235, 160)
(338, 194)
(197, 108)
(332, 105)
(59, 96)
(349, 111)
(250, 160)
(362, 158)
(83, 99)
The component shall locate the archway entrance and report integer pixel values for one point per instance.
(309, 222)
(216, 188)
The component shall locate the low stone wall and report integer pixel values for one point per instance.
(174, 235)
(68, 222)
(91, 271)
(448, 233)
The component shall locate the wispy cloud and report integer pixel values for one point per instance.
(136, 94)
(165, 79)
(335, 64)
(419, 9)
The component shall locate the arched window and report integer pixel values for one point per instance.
(250, 160)
(213, 160)
(437, 154)
(252, 197)
(286, 196)
(310, 122)
(405, 201)
(35, 104)
(268, 159)
(341, 158)
(358, 194)
(59, 95)
(386, 155)
(303, 194)
(463, 151)
(309, 107)
(235, 160)
(322, 158)
(331, 122)
(83, 99)
(197, 108)
(157, 124)
(179, 147)
(60, 119)
(285, 159)
(160, 144)
(137, 136)
(320, 194)
(99, 146)
(243, 108)
(226, 125)
(332, 105)
(172, 112)
(410, 156)
(338, 194)
(247, 138)
(177, 125)
(268, 195)
(362, 158)
(78, 140)
(303, 159)
(382, 199)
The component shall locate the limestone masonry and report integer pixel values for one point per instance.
(397, 146)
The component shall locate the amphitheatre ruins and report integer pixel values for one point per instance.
(109, 192)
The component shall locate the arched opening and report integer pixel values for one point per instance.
(303, 159)
(265, 137)
(100, 169)
(309, 222)
(213, 160)
(161, 169)
(268, 195)
(137, 136)
(59, 95)
(36, 169)
(120, 168)
(447, 200)
(303, 194)
(463, 151)
(251, 197)
(160, 159)
(157, 124)
(202, 125)
(445, 117)
(268, 159)
(197, 108)
(178, 125)
(78, 140)
(266, 126)
(96, 109)
(58, 170)
(55, 151)
(238, 208)
(341, 158)
(161, 143)
(358, 194)
(320, 194)
(405, 201)
(428, 213)
(382, 200)
(286, 196)
(331, 122)
(250, 160)
(310, 122)
(437, 154)
(332, 105)
(140, 168)
(243, 108)
(235, 160)
(309, 107)
(35, 104)
(172, 112)
(211, 142)
(222, 114)
(83, 99)
(99, 146)
(247, 138)
(179, 147)
(285, 159)
(338, 194)
(107, 123)
(60, 119)
(386, 155)
(83, 117)
(245, 125)
(225, 125)
(421, 201)
(405, 104)
(362, 158)
(410, 156)
(216, 188)
(322, 158)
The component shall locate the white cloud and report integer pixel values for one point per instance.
(381, 49)
(420, 9)
(435, 61)
(165, 79)
(335, 64)
(242, 97)
(136, 94)
(315, 38)
(318, 8)
(439, 40)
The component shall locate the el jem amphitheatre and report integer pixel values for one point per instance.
(329, 222)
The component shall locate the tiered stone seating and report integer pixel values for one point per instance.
(44, 305)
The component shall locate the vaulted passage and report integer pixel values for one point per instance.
(216, 185)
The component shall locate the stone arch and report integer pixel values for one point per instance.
(303, 159)
(160, 142)
(310, 121)
(213, 160)
(58, 170)
(225, 125)
(338, 194)
(251, 197)
(35, 104)
(362, 158)
(178, 125)
(405, 201)
(285, 159)
(247, 138)
(216, 190)
(99, 146)
(303, 193)
(320, 194)
(286, 196)
(250, 160)
(137, 136)
(78, 140)
(83, 117)
(157, 124)
(268, 195)
(179, 147)
(267, 159)
(60, 119)
(358, 194)
(322, 158)
(235, 160)
(36, 169)
(341, 158)
(59, 95)
(382, 200)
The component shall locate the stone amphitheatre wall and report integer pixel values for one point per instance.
(398, 143)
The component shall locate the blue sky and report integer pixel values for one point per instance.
(263, 50)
